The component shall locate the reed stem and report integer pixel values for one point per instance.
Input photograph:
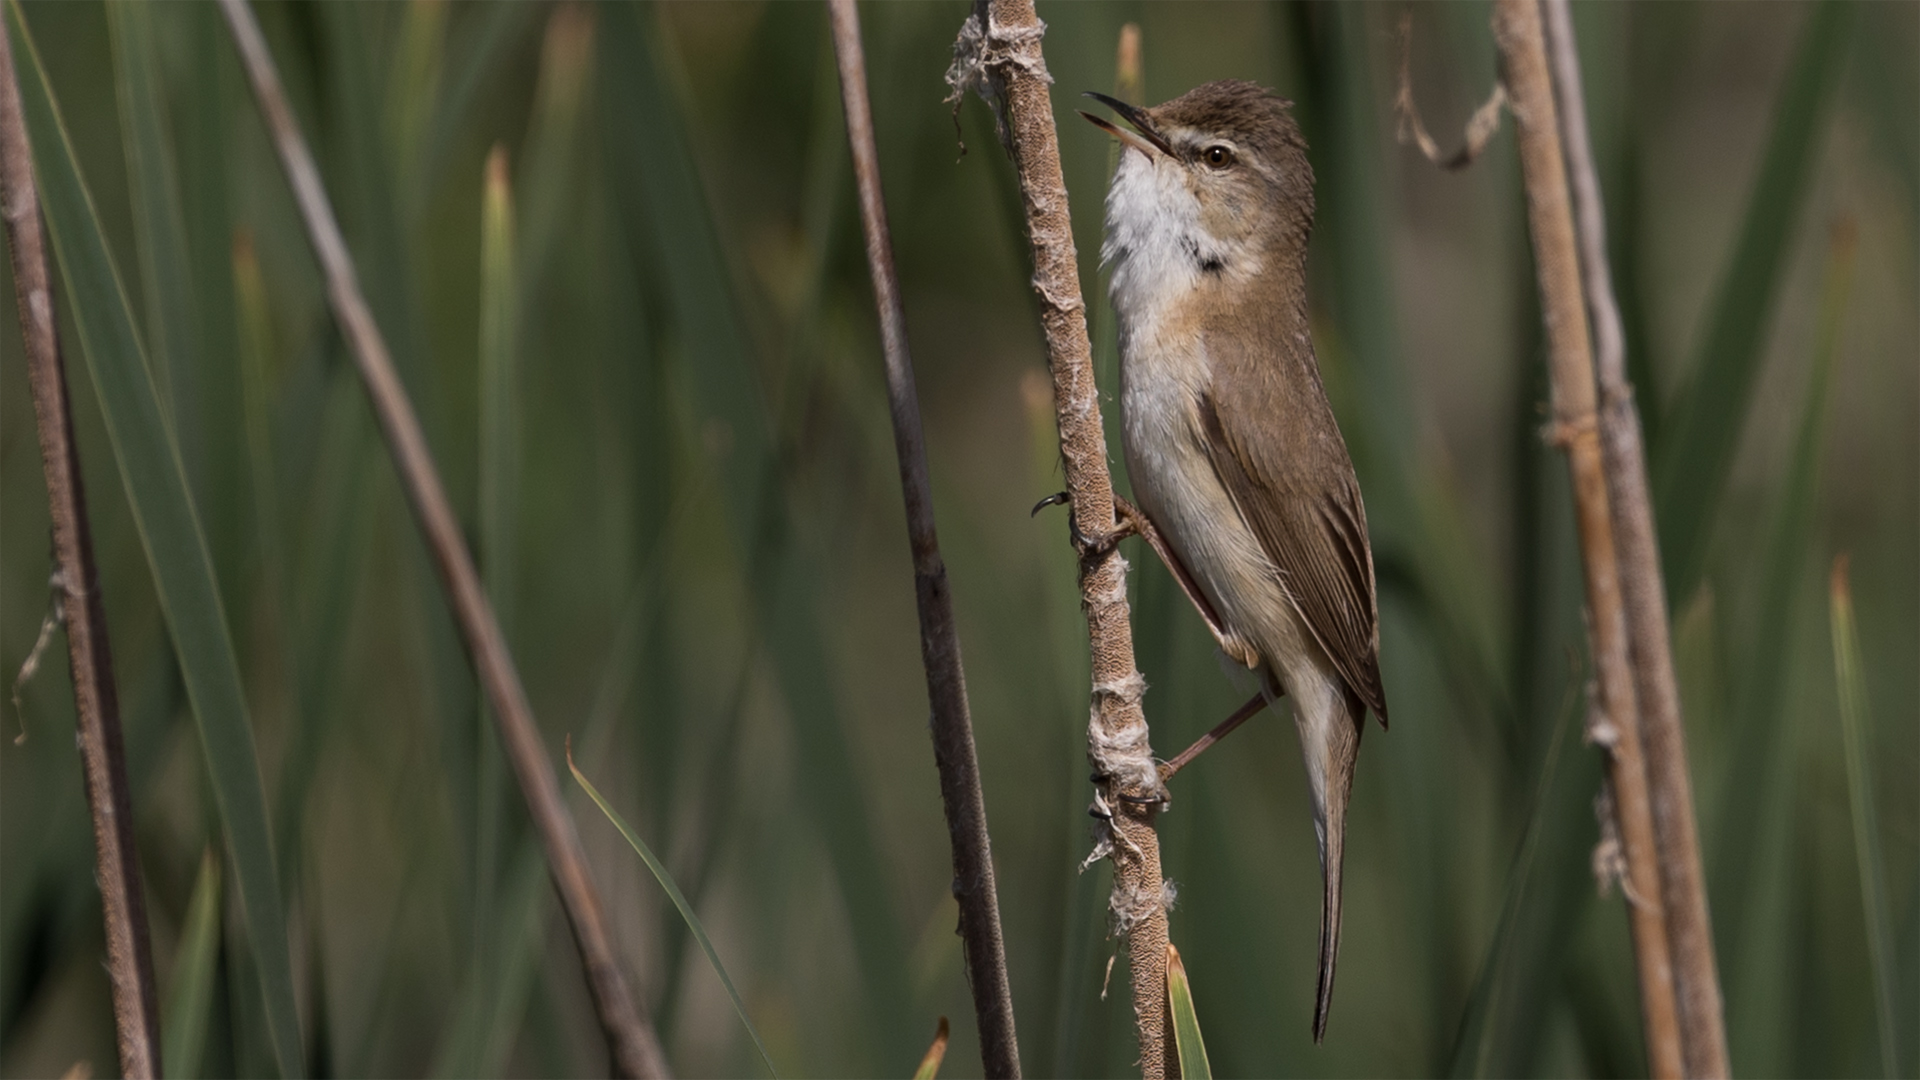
(136, 1010)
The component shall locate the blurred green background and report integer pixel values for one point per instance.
(672, 455)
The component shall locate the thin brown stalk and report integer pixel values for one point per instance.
(998, 53)
(1616, 726)
(952, 726)
(1663, 738)
(632, 1046)
(136, 1012)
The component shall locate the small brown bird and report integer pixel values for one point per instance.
(1234, 454)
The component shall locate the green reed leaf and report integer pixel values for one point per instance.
(936, 1053)
(1855, 732)
(666, 881)
(189, 1004)
(1186, 1026)
(1757, 807)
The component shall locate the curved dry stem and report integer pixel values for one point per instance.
(136, 1012)
(632, 1046)
(1480, 127)
(952, 727)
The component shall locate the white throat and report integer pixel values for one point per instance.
(1154, 240)
(1156, 245)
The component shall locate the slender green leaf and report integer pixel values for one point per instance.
(1186, 1026)
(936, 1053)
(1707, 417)
(412, 94)
(210, 429)
(1757, 808)
(499, 472)
(679, 901)
(158, 228)
(156, 488)
(257, 395)
(1855, 731)
(190, 1001)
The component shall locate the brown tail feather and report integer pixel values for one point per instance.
(1332, 852)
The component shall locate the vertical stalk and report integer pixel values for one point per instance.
(1689, 932)
(136, 1013)
(999, 54)
(1519, 37)
(952, 726)
(632, 1047)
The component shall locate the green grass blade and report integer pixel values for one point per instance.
(158, 228)
(499, 391)
(412, 93)
(1707, 417)
(1755, 808)
(499, 475)
(1855, 722)
(679, 901)
(936, 1053)
(1186, 1026)
(156, 489)
(257, 394)
(209, 427)
(190, 1000)
(501, 912)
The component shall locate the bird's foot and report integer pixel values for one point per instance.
(1092, 546)
(1100, 545)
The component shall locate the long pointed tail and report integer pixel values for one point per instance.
(1342, 749)
(1329, 924)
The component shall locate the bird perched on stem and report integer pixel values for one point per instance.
(1234, 454)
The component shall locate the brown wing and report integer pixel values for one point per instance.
(1279, 454)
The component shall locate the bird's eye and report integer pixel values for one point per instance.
(1218, 156)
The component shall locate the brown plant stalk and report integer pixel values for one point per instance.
(998, 53)
(952, 726)
(1663, 739)
(633, 1048)
(136, 1012)
(1616, 723)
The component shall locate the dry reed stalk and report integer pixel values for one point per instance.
(951, 726)
(632, 1047)
(998, 53)
(1616, 727)
(136, 1012)
(1663, 738)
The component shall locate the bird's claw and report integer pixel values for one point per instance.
(1128, 521)
(1058, 498)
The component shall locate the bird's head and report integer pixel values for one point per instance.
(1219, 174)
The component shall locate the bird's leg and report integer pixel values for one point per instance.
(1220, 731)
(1129, 520)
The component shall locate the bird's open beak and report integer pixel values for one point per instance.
(1146, 141)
